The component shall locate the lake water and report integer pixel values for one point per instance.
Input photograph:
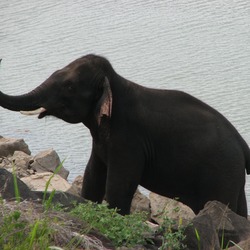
(199, 46)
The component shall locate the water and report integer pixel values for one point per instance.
(198, 46)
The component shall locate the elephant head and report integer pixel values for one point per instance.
(79, 92)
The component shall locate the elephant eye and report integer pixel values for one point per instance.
(68, 86)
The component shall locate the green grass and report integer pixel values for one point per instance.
(16, 189)
(47, 202)
(128, 230)
(173, 234)
(17, 234)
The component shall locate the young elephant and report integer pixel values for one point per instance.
(165, 140)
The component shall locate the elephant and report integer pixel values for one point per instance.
(167, 141)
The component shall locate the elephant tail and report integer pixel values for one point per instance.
(248, 164)
(247, 156)
(246, 152)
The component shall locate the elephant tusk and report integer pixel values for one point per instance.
(33, 112)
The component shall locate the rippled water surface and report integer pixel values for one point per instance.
(199, 46)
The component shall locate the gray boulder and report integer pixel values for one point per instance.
(241, 245)
(77, 184)
(162, 207)
(140, 203)
(48, 161)
(26, 165)
(229, 225)
(39, 181)
(7, 190)
(19, 161)
(201, 234)
(9, 145)
(217, 226)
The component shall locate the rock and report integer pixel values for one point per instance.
(154, 227)
(19, 161)
(241, 245)
(22, 161)
(7, 190)
(77, 184)
(230, 226)
(74, 190)
(201, 234)
(26, 165)
(9, 145)
(140, 203)
(164, 207)
(48, 161)
(217, 226)
(65, 199)
(38, 182)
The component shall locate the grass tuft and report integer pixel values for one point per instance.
(47, 203)
(173, 235)
(16, 189)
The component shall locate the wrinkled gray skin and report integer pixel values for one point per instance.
(166, 140)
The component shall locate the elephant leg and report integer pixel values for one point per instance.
(119, 195)
(242, 204)
(94, 180)
(124, 175)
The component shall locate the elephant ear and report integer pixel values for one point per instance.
(104, 105)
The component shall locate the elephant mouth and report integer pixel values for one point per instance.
(41, 112)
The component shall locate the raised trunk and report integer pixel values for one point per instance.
(24, 102)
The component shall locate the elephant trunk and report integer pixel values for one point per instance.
(26, 102)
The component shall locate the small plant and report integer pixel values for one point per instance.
(198, 238)
(21, 235)
(16, 189)
(11, 229)
(125, 230)
(234, 245)
(47, 202)
(172, 238)
(33, 233)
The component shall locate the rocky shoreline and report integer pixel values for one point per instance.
(213, 222)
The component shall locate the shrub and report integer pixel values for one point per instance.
(128, 230)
